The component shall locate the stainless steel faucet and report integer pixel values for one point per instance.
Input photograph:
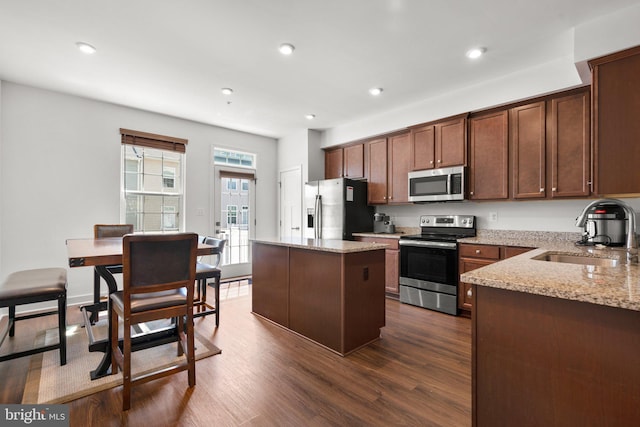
(632, 240)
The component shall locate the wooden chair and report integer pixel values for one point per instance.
(101, 231)
(157, 269)
(204, 272)
(32, 286)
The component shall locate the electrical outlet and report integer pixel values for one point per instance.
(200, 212)
(493, 216)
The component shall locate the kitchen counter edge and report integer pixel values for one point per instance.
(324, 245)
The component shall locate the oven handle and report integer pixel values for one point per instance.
(421, 244)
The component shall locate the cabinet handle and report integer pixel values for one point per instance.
(390, 197)
(471, 193)
(469, 293)
(542, 190)
(477, 251)
(554, 189)
(430, 162)
(439, 161)
(384, 197)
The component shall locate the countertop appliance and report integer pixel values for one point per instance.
(336, 208)
(437, 185)
(382, 224)
(605, 224)
(429, 262)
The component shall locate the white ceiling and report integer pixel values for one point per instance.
(173, 57)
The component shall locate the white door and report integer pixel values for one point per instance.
(291, 203)
(233, 219)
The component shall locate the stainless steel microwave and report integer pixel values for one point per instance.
(437, 185)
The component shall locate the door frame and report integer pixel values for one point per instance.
(300, 195)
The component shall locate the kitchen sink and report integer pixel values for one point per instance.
(577, 259)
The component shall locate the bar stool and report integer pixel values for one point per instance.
(204, 272)
(33, 286)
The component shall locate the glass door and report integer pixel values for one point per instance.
(234, 197)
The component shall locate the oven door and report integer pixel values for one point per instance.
(429, 265)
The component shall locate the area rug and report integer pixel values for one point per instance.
(50, 383)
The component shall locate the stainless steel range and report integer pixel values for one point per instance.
(429, 262)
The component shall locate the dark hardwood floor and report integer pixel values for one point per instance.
(418, 374)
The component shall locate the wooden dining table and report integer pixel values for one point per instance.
(102, 254)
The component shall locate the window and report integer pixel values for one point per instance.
(153, 188)
(232, 214)
(234, 158)
(245, 185)
(232, 184)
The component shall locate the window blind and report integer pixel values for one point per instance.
(151, 140)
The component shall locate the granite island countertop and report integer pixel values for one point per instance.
(617, 286)
(326, 245)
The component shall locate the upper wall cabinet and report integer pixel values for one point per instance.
(489, 156)
(616, 124)
(439, 145)
(388, 161)
(528, 148)
(569, 140)
(345, 162)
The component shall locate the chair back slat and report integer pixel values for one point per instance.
(101, 231)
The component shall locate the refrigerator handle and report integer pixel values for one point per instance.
(317, 231)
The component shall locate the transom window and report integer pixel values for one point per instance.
(234, 158)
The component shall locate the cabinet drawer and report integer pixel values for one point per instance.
(392, 242)
(480, 251)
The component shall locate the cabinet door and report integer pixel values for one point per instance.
(399, 163)
(451, 143)
(465, 290)
(423, 148)
(333, 163)
(528, 139)
(616, 126)
(354, 161)
(510, 251)
(392, 271)
(489, 156)
(570, 146)
(376, 160)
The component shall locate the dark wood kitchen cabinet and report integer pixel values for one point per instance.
(376, 171)
(489, 156)
(392, 262)
(568, 127)
(333, 163)
(616, 124)
(387, 163)
(473, 256)
(439, 145)
(528, 150)
(345, 162)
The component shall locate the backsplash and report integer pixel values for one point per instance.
(544, 215)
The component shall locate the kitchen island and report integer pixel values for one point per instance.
(556, 343)
(329, 291)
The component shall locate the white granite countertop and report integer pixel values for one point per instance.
(617, 286)
(326, 245)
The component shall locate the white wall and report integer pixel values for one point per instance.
(60, 168)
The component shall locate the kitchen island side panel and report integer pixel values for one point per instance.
(540, 360)
(315, 298)
(270, 278)
(364, 297)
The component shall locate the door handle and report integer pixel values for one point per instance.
(295, 228)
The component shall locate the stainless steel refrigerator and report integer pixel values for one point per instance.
(336, 208)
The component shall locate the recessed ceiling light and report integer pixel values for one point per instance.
(286, 48)
(375, 91)
(85, 48)
(310, 116)
(476, 53)
(226, 91)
